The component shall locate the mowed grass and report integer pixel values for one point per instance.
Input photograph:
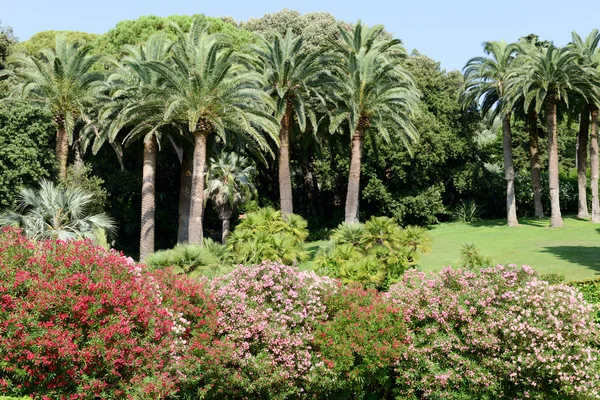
(573, 250)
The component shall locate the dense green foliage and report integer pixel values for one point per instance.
(26, 148)
(457, 159)
(375, 254)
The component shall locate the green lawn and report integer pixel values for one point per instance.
(573, 250)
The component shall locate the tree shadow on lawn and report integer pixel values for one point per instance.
(586, 256)
(488, 223)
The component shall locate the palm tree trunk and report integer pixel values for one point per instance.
(594, 164)
(148, 198)
(62, 151)
(195, 232)
(353, 195)
(185, 190)
(509, 174)
(285, 178)
(582, 146)
(535, 166)
(555, 217)
(225, 230)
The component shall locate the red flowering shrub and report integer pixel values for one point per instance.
(78, 321)
(496, 333)
(361, 342)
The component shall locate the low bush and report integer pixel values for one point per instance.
(265, 235)
(375, 254)
(210, 259)
(590, 289)
(79, 321)
(360, 343)
(269, 313)
(497, 333)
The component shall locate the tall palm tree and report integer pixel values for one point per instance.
(133, 84)
(594, 162)
(228, 186)
(373, 94)
(62, 80)
(53, 213)
(548, 77)
(486, 82)
(585, 50)
(293, 76)
(206, 91)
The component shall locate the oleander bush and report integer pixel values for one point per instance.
(269, 312)
(79, 321)
(500, 332)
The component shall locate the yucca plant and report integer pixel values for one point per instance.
(54, 213)
(467, 211)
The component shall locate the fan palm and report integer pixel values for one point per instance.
(61, 80)
(486, 83)
(132, 106)
(373, 94)
(586, 50)
(207, 92)
(293, 76)
(549, 76)
(228, 186)
(53, 213)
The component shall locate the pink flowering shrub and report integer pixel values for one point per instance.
(500, 332)
(269, 312)
(78, 321)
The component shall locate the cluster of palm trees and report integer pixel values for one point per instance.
(197, 90)
(533, 78)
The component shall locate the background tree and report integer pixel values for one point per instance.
(550, 77)
(26, 136)
(486, 82)
(373, 94)
(585, 51)
(61, 80)
(229, 185)
(206, 91)
(293, 79)
(141, 112)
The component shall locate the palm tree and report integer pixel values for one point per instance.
(486, 82)
(228, 186)
(585, 50)
(61, 80)
(373, 94)
(293, 76)
(206, 91)
(549, 76)
(53, 213)
(133, 84)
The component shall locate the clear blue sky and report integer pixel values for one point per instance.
(448, 31)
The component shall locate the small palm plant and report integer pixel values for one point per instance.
(375, 254)
(54, 213)
(266, 235)
(228, 186)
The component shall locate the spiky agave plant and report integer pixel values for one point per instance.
(54, 213)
